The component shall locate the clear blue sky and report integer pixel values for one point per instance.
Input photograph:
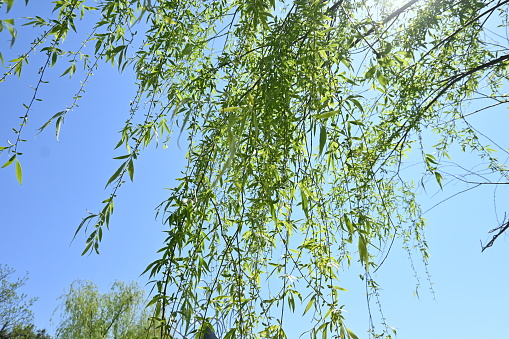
(64, 179)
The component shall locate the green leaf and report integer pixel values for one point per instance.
(304, 200)
(371, 72)
(130, 169)
(349, 224)
(118, 49)
(116, 174)
(71, 69)
(363, 250)
(54, 57)
(10, 161)
(89, 244)
(187, 50)
(351, 334)
(357, 103)
(323, 138)
(356, 122)
(230, 109)
(59, 122)
(310, 303)
(19, 172)
(340, 288)
(230, 334)
(9, 4)
(439, 178)
(82, 224)
(381, 79)
(291, 303)
(327, 114)
(47, 123)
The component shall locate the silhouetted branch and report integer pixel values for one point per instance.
(501, 229)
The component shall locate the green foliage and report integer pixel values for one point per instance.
(299, 117)
(14, 306)
(24, 332)
(15, 314)
(119, 313)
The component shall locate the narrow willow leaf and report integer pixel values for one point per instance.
(357, 103)
(381, 79)
(58, 126)
(327, 114)
(230, 334)
(356, 122)
(273, 213)
(116, 174)
(351, 334)
(439, 178)
(430, 159)
(323, 138)
(340, 288)
(85, 220)
(221, 172)
(54, 57)
(47, 123)
(323, 328)
(68, 70)
(118, 49)
(349, 224)
(310, 303)
(229, 109)
(363, 250)
(10, 161)
(130, 169)
(87, 248)
(291, 303)
(9, 4)
(19, 172)
(304, 201)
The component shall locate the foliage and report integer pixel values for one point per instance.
(15, 314)
(15, 310)
(120, 313)
(300, 118)
(24, 332)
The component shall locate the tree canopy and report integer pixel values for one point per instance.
(15, 314)
(14, 306)
(301, 119)
(120, 313)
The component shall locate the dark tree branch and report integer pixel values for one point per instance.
(501, 229)
(454, 79)
(391, 16)
(449, 38)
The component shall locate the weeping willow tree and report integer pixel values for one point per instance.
(299, 117)
(88, 314)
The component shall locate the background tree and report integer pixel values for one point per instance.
(14, 306)
(119, 313)
(24, 332)
(15, 314)
(301, 118)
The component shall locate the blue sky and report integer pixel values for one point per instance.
(63, 179)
